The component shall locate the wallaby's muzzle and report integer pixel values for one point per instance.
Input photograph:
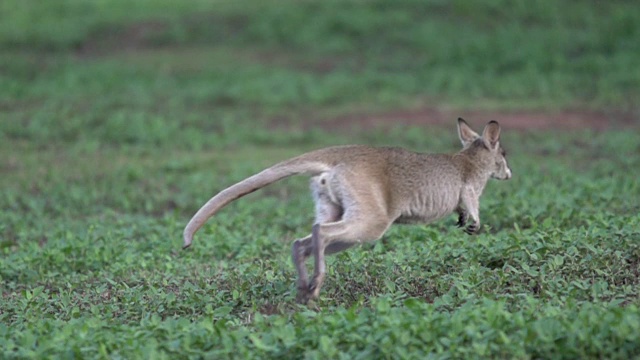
(506, 175)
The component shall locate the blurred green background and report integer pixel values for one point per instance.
(146, 71)
(119, 118)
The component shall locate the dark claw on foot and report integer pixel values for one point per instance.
(462, 219)
(471, 229)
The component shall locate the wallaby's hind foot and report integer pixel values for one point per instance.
(305, 295)
(302, 296)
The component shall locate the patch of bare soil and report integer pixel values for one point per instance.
(518, 120)
(142, 35)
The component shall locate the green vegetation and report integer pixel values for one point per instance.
(118, 119)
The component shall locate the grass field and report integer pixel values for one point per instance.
(119, 119)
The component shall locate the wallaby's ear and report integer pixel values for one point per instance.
(491, 134)
(467, 136)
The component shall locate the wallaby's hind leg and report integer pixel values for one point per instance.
(319, 268)
(300, 251)
(341, 235)
(326, 212)
(336, 227)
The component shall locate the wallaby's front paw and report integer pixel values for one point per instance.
(462, 220)
(473, 228)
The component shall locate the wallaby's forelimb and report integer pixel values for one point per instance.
(462, 218)
(472, 228)
(471, 204)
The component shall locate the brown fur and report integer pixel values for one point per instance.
(360, 191)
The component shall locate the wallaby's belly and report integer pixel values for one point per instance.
(420, 218)
(428, 207)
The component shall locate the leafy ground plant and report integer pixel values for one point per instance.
(118, 120)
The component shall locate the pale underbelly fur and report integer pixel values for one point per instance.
(426, 207)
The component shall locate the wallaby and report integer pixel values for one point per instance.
(359, 191)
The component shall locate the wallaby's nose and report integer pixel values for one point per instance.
(508, 174)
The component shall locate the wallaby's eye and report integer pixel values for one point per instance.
(503, 153)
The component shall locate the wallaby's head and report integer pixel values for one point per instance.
(485, 149)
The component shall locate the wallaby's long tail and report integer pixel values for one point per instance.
(279, 171)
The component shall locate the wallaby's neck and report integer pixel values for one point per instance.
(473, 168)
